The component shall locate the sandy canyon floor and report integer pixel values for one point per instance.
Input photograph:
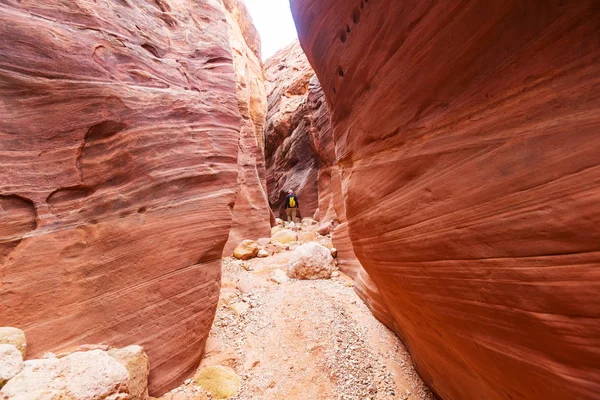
(291, 339)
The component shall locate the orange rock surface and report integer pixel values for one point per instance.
(252, 215)
(290, 157)
(467, 140)
(119, 130)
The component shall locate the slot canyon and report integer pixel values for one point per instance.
(445, 161)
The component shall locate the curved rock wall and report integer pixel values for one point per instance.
(289, 152)
(299, 121)
(251, 213)
(119, 128)
(467, 139)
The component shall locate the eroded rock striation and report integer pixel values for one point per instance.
(119, 131)
(467, 140)
(301, 156)
(290, 155)
(252, 214)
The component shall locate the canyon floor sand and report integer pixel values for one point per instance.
(304, 339)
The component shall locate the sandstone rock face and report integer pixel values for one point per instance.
(467, 139)
(291, 160)
(311, 261)
(251, 212)
(119, 132)
(246, 250)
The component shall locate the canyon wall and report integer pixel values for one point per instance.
(301, 156)
(119, 131)
(467, 139)
(290, 156)
(252, 214)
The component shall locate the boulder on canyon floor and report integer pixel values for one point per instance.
(222, 382)
(311, 261)
(466, 134)
(284, 236)
(89, 375)
(246, 250)
(11, 362)
(14, 336)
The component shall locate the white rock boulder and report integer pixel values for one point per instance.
(311, 261)
(87, 375)
(14, 336)
(11, 362)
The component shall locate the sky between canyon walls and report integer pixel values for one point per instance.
(274, 21)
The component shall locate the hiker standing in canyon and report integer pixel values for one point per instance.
(291, 206)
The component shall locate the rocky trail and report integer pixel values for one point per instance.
(302, 339)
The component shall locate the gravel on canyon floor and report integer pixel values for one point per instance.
(303, 339)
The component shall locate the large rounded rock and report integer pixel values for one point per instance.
(222, 382)
(87, 375)
(311, 261)
(135, 360)
(246, 250)
(11, 362)
(14, 336)
(284, 236)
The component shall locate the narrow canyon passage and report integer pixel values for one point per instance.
(299, 339)
(443, 161)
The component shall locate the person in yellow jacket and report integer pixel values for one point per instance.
(291, 206)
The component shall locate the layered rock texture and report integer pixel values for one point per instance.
(301, 156)
(467, 139)
(290, 155)
(119, 131)
(251, 213)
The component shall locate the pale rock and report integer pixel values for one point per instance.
(227, 295)
(11, 362)
(246, 250)
(279, 221)
(325, 229)
(305, 237)
(333, 252)
(239, 308)
(276, 229)
(263, 241)
(335, 274)
(306, 222)
(14, 336)
(90, 375)
(246, 266)
(135, 360)
(279, 276)
(311, 261)
(262, 253)
(284, 236)
(222, 382)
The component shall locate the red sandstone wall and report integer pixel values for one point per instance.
(467, 139)
(290, 156)
(251, 212)
(119, 128)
